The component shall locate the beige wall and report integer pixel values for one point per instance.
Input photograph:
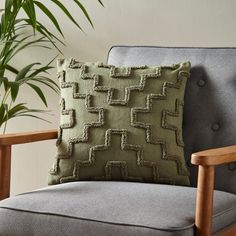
(131, 22)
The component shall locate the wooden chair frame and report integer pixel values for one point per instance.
(206, 161)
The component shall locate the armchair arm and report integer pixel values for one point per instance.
(206, 161)
(6, 141)
(27, 137)
(215, 156)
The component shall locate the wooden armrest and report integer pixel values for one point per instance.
(6, 141)
(27, 137)
(215, 156)
(207, 160)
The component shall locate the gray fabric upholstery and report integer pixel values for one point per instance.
(125, 208)
(210, 101)
(109, 208)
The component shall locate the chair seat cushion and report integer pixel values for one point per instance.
(109, 208)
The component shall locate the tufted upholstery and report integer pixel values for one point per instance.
(210, 99)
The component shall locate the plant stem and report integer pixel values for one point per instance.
(5, 96)
(4, 129)
(5, 125)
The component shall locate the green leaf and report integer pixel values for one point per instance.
(11, 11)
(15, 5)
(25, 45)
(39, 92)
(100, 2)
(39, 46)
(2, 113)
(50, 36)
(42, 29)
(12, 69)
(63, 8)
(50, 15)
(16, 109)
(20, 109)
(34, 116)
(21, 75)
(6, 117)
(8, 5)
(3, 25)
(50, 62)
(6, 51)
(14, 90)
(5, 81)
(19, 20)
(0, 30)
(48, 82)
(10, 46)
(84, 11)
(28, 110)
(29, 9)
(42, 69)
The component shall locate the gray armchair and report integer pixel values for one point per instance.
(126, 208)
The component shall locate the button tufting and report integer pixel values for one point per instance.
(201, 82)
(215, 127)
(232, 166)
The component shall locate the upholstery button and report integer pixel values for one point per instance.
(215, 127)
(201, 82)
(232, 166)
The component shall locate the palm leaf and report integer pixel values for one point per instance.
(100, 2)
(12, 69)
(13, 40)
(42, 30)
(22, 73)
(12, 47)
(49, 15)
(47, 82)
(3, 25)
(18, 111)
(14, 89)
(33, 116)
(2, 113)
(8, 6)
(84, 11)
(63, 8)
(39, 70)
(5, 81)
(7, 47)
(14, 110)
(21, 46)
(28, 6)
(39, 92)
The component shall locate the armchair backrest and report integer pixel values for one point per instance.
(210, 99)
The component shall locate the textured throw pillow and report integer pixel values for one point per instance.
(121, 123)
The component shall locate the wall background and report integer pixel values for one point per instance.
(127, 22)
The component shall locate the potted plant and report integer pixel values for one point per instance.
(16, 35)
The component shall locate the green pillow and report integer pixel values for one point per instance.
(121, 123)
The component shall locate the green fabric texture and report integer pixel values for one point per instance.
(121, 123)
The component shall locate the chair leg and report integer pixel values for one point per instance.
(204, 204)
(5, 171)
